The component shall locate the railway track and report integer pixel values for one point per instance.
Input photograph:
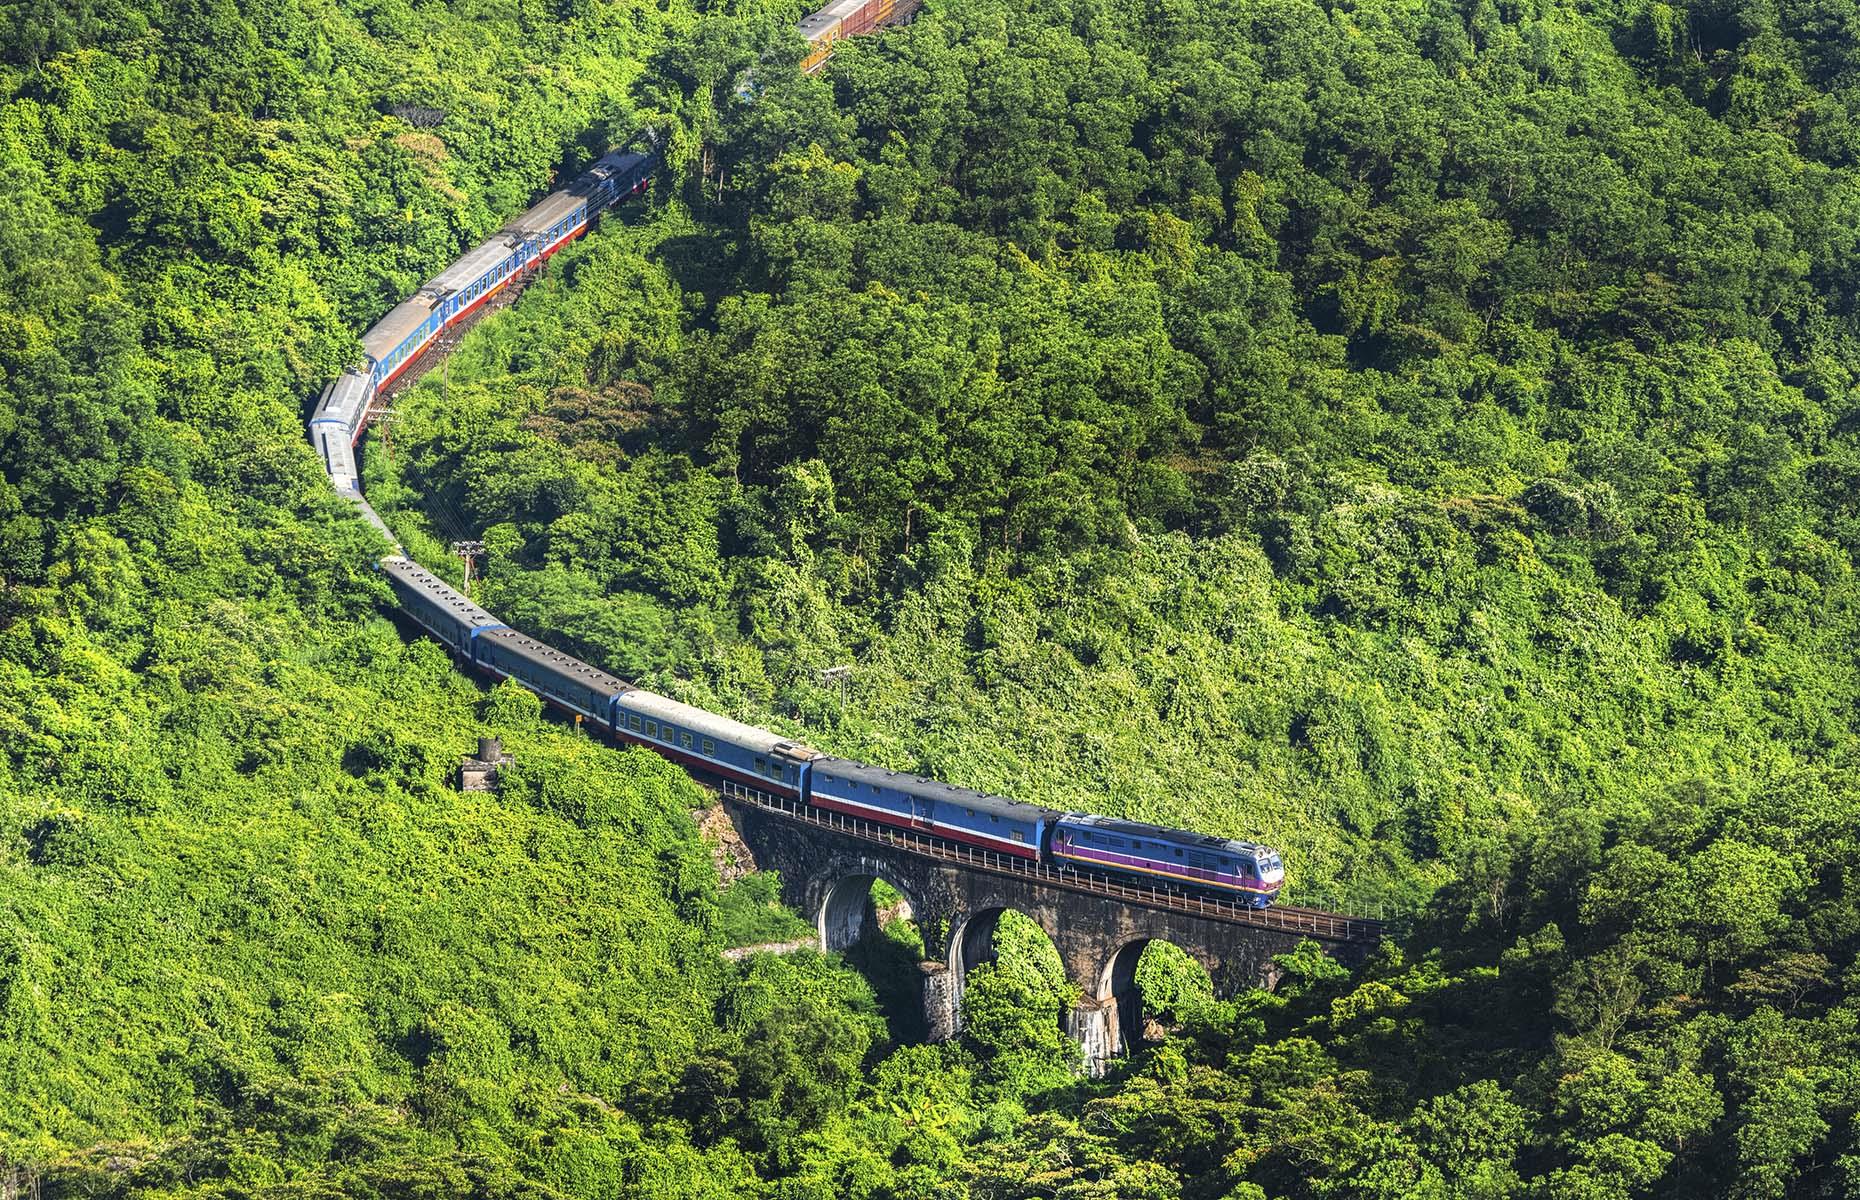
(1313, 923)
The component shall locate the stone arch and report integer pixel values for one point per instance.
(1115, 988)
(845, 915)
(1118, 984)
(972, 943)
(972, 933)
(972, 939)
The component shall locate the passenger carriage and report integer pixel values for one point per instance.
(913, 802)
(713, 744)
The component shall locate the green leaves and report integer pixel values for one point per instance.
(1417, 437)
(1014, 1010)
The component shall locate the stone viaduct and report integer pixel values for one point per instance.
(828, 863)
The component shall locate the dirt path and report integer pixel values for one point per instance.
(738, 953)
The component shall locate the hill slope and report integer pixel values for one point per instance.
(1423, 436)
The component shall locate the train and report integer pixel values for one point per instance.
(844, 19)
(718, 747)
(701, 741)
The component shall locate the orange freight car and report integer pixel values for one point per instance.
(848, 18)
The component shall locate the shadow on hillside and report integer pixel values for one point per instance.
(889, 965)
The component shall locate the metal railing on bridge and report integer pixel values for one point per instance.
(1304, 922)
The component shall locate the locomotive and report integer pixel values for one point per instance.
(705, 742)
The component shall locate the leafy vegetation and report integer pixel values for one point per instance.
(251, 939)
(1369, 486)
(752, 913)
(1418, 436)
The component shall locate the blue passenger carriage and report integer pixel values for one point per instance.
(913, 802)
(397, 339)
(561, 679)
(436, 606)
(713, 744)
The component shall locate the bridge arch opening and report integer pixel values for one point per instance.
(872, 921)
(857, 907)
(972, 940)
(1152, 980)
(989, 934)
(1008, 971)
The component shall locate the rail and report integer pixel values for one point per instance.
(1305, 922)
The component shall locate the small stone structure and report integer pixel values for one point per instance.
(479, 774)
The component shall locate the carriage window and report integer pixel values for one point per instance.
(652, 729)
(1018, 836)
(684, 739)
(632, 722)
(1178, 854)
(710, 747)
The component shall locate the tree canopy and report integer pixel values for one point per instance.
(1417, 436)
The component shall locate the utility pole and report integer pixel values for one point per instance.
(841, 676)
(381, 414)
(469, 551)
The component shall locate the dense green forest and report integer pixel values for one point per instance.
(1422, 436)
(1371, 431)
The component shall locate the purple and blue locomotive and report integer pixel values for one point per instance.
(1174, 856)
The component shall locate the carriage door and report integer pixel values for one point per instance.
(922, 813)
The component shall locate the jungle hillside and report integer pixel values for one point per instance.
(1420, 436)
